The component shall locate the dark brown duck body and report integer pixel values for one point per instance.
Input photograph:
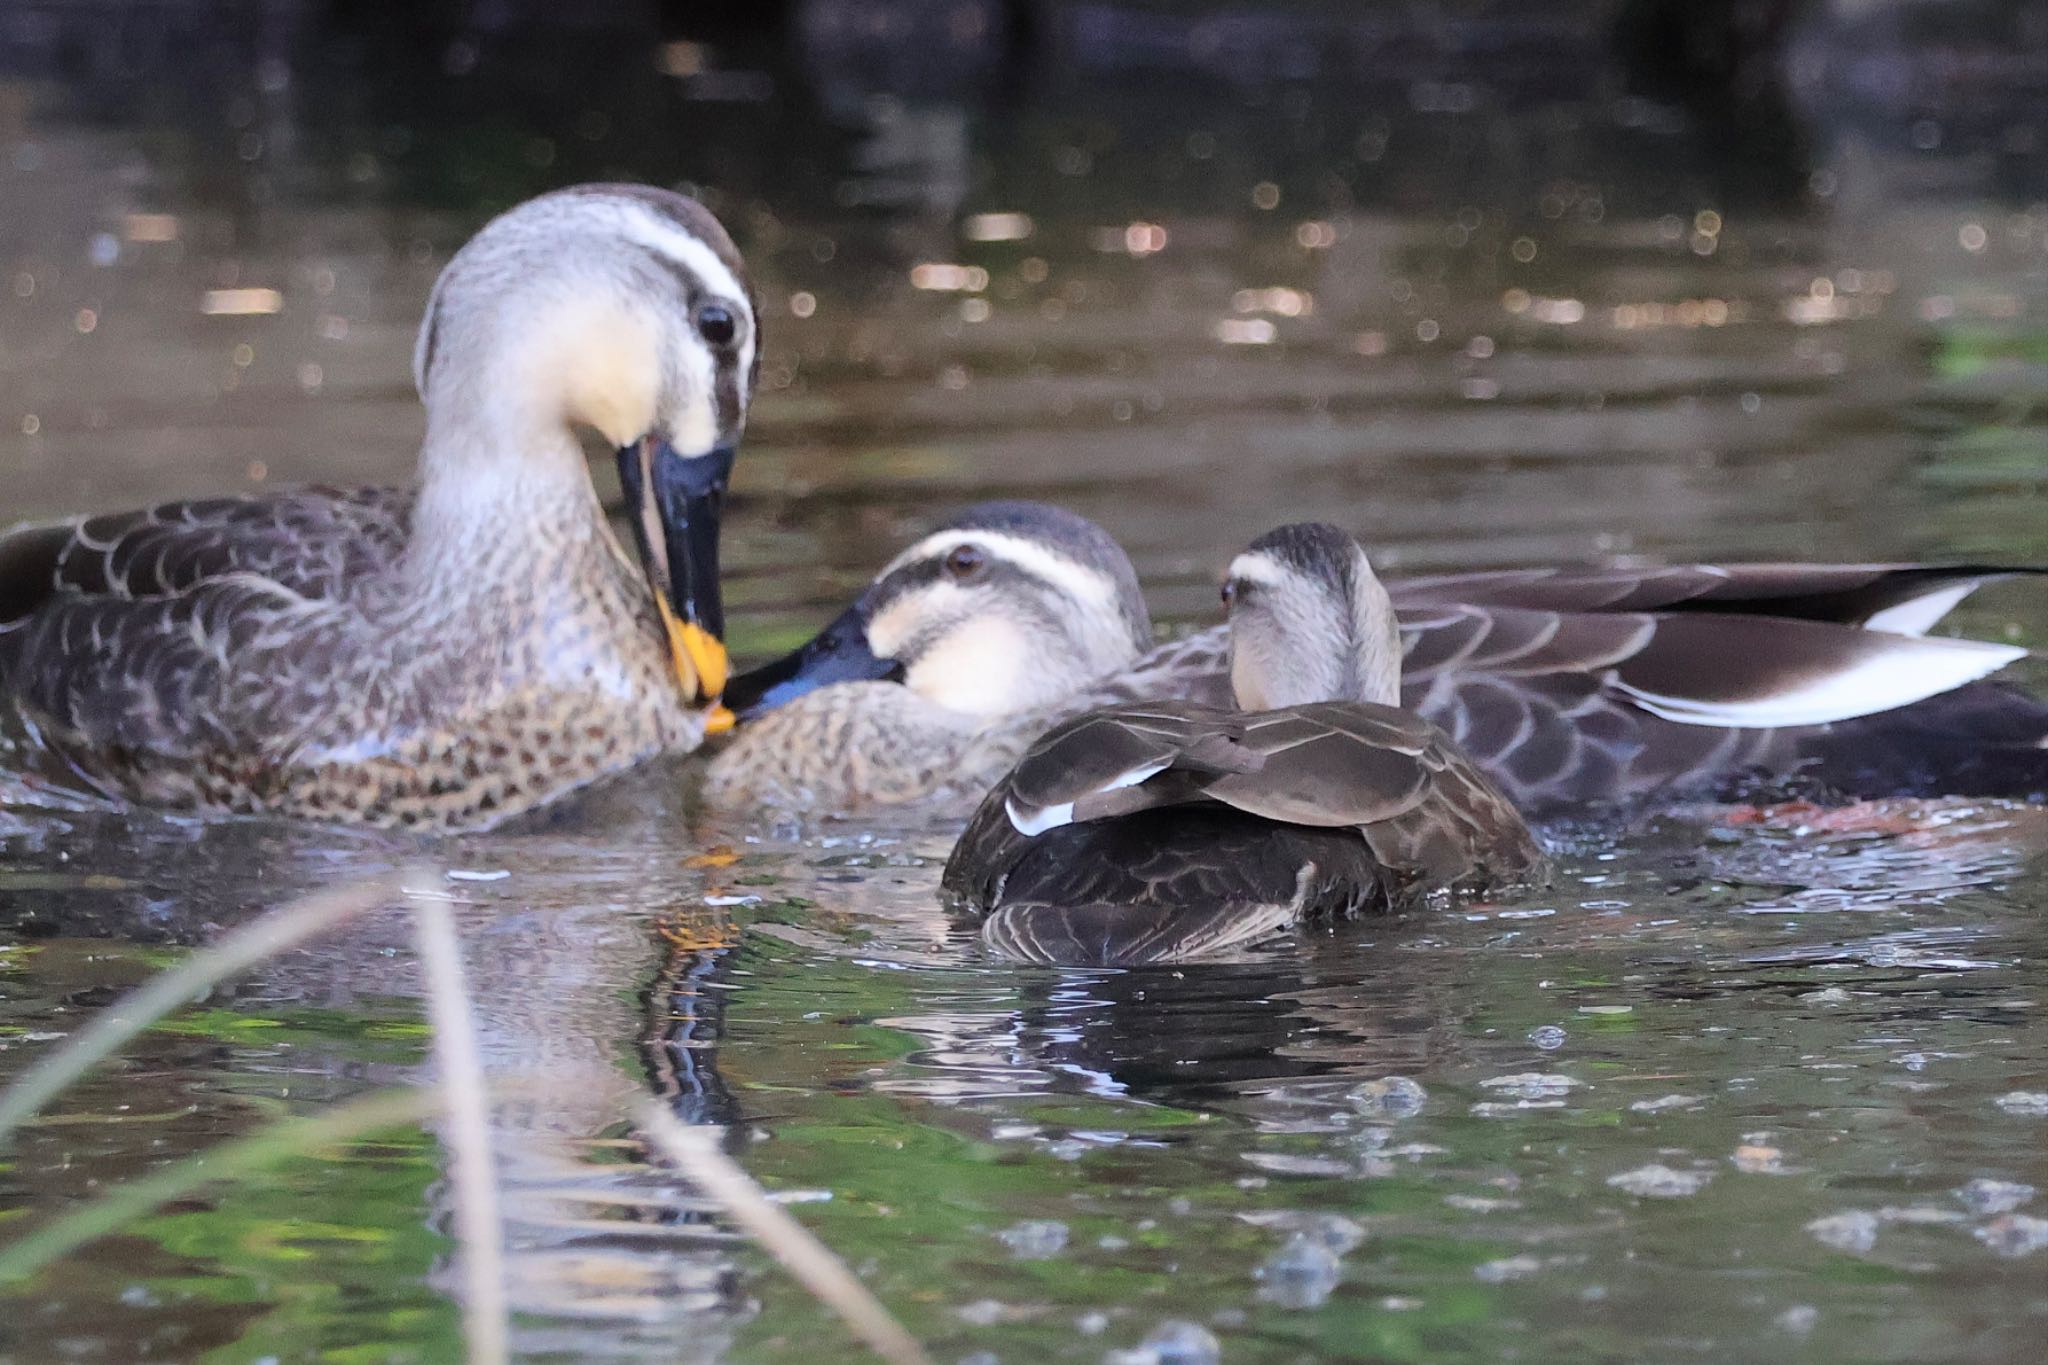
(1235, 827)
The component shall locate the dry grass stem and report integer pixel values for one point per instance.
(695, 1152)
(473, 1176)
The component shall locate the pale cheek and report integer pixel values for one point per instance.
(982, 668)
(605, 367)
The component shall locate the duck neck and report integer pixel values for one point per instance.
(1373, 672)
(503, 503)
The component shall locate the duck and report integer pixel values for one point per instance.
(964, 648)
(456, 652)
(1580, 689)
(1152, 832)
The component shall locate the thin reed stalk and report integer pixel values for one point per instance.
(695, 1151)
(132, 1013)
(472, 1170)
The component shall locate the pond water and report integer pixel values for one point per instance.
(1731, 1088)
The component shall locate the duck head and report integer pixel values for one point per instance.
(1005, 607)
(621, 309)
(1310, 622)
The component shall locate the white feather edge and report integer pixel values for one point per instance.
(1911, 670)
(1919, 615)
(1037, 822)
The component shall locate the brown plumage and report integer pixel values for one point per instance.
(1570, 687)
(1144, 833)
(446, 655)
(1578, 686)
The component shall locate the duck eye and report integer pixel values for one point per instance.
(965, 561)
(1229, 591)
(715, 323)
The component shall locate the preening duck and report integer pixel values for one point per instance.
(1155, 832)
(456, 652)
(963, 649)
(1580, 686)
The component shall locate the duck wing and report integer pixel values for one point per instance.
(1426, 810)
(112, 627)
(1578, 685)
(1113, 761)
(1904, 598)
(1150, 834)
(309, 542)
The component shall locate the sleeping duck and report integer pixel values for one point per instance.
(1161, 831)
(1570, 687)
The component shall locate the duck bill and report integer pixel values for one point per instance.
(673, 502)
(838, 653)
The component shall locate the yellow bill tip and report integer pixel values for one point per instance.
(699, 659)
(706, 655)
(718, 720)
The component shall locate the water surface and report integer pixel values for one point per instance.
(1727, 1090)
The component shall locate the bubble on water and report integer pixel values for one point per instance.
(1173, 1342)
(1282, 1163)
(981, 1358)
(1833, 995)
(1756, 1158)
(1663, 1102)
(1035, 1239)
(1855, 1230)
(1549, 1037)
(1918, 1215)
(1474, 1203)
(1507, 1268)
(1395, 1097)
(1660, 1182)
(1331, 1230)
(1799, 1320)
(1109, 1241)
(1985, 1196)
(2031, 1103)
(2014, 1234)
(983, 1312)
(1532, 1085)
(1512, 1110)
(1092, 1324)
(1301, 1274)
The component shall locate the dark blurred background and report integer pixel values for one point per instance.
(1490, 281)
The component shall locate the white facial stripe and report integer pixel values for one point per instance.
(1082, 584)
(1256, 566)
(656, 233)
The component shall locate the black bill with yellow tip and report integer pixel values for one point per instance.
(838, 653)
(673, 501)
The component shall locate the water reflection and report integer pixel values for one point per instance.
(1457, 280)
